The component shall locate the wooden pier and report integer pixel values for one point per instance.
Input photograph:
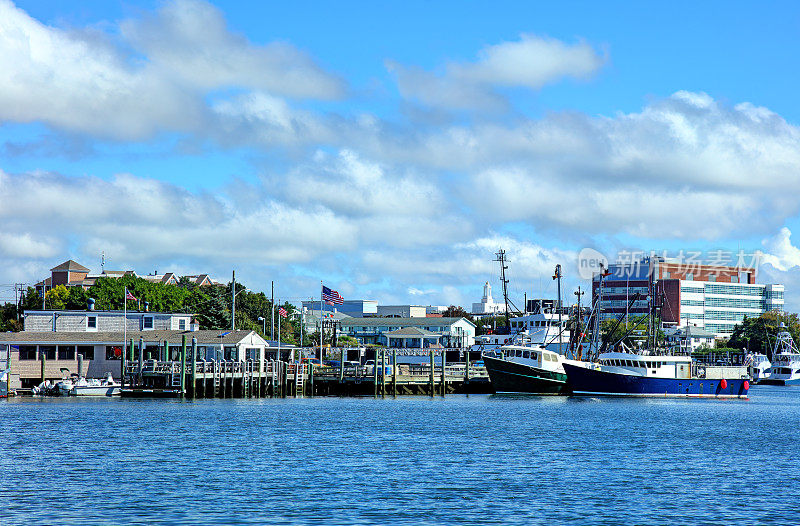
(252, 379)
(199, 378)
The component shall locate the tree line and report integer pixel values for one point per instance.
(211, 304)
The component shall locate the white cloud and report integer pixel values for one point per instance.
(530, 62)
(142, 219)
(26, 246)
(779, 251)
(87, 83)
(189, 39)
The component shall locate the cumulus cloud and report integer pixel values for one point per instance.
(779, 251)
(143, 219)
(155, 79)
(190, 40)
(530, 62)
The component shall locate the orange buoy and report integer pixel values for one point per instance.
(723, 384)
(746, 385)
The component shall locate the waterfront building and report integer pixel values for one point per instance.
(688, 339)
(310, 318)
(37, 356)
(103, 321)
(447, 332)
(487, 305)
(353, 308)
(402, 311)
(713, 297)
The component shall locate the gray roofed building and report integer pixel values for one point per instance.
(33, 353)
(450, 332)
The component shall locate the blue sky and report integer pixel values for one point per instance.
(390, 149)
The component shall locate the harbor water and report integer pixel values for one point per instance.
(489, 459)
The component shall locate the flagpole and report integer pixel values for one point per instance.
(320, 316)
(279, 336)
(124, 331)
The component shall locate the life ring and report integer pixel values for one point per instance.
(506, 340)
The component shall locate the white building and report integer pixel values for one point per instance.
(402, 311)
(454, 332)
(487, 304)
(718, 307)
(104, 321)
(690, 338)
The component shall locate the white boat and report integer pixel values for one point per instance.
(541, 329)
(79, 386)
(758, 366)
(785, 368)
(4, 376)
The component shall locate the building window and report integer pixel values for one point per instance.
(66, 352)
(91, 323)
(87, 351)
(113, 352)
(689, 276)
(181, 325)
(47, 351)
(27, 352)
(148, 322)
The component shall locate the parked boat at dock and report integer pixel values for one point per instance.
(79, 386)
(628, 374)
(759, 366)
(785, 368)
(526, 369)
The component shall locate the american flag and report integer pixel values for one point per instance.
(129, 296)
(331, 297)
(282, 312)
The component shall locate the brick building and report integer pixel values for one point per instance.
(714, 297)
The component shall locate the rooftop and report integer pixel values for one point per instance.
(173, 337)
(70, 265)
(402, 322)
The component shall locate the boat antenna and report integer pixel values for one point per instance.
(501, 257)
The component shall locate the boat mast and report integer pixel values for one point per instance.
(557, 277)
(501, 257)
(579, 332)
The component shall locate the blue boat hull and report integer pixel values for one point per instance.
(587, 381)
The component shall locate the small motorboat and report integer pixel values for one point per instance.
(80, 386)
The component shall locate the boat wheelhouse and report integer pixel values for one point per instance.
(542, 329)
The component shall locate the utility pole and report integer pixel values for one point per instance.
(272, 313)
(233, 301)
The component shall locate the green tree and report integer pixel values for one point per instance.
(454, 311)
(56, 298)
(758, 334)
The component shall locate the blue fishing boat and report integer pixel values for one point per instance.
(627, 374)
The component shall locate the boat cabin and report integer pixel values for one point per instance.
(652, 366)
